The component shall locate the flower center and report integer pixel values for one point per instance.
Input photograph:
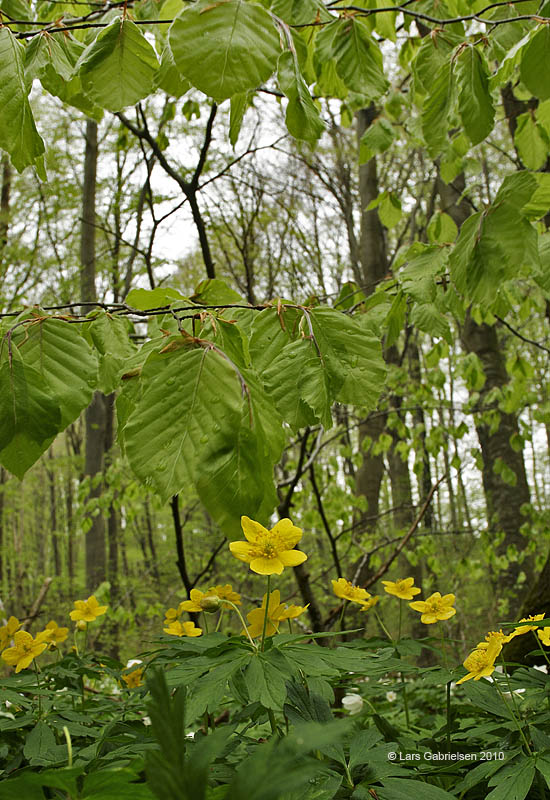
(268, 550)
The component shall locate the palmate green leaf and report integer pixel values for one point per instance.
(535, 54)
(474, 99)
(119, 68)
(513, 782)
(302, 116)
(18, 134)
(405, 788)
(224, 48)
(358, 59)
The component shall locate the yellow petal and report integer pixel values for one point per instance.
(291, 558)
(252, 530)
(267, 566)
(242, 550)
(448, 599)
(419, 605)
(189, 605)
(288, 533)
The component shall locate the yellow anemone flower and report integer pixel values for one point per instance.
(403, 588)
(496, 637)
(481, 662)
(276, 612)
(87, 610)
(200, 601)
(133, 679)
(372, 601)
(348, 591)
(178, 628)
(7, 631)
(544, 636)
(24, 651)
(171, 614)
(435, 608)
(54, 634)
(521, 629)
(225, 593)
(269, 552)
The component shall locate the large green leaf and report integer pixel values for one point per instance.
(66, 362)
(29, 416)
(302, 116)
(474, 99)
(436, 109)
(535, 55)
(358, 59)
(119, 68)
(18, 134)
(199, 421)
(531, 141)
(225, 48)
(110, 336)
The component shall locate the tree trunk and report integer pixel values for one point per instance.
(504, 501)
(95, 414)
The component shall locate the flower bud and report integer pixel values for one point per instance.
(353, 703)
(210, 603)
(81, 625)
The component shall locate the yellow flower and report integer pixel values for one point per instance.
(24, 651)
(544, 636)
(133, 679)
(291, 612)
(269, 552)
(435, 608)
(403, 588)
(481, 662)
(521, 629)
(54, 634)
(7, 631)
(372, 601)
(87, 610)
(171, 614)
(276, 611)
(498, 637)
(226, 593)
(178, 628)
(200, 601)
(348, 591)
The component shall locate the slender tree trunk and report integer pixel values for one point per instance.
(95, 414)
(504, 501)
(2, 524)
(53, 516)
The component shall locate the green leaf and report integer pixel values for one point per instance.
(426, 317)
(119, 68)
(425, 263)
(168, 77)
(225, 48)
(214, 292)
(148, 299)
(66, 362)
(358, 59)
(436, 109)
(302, 116)
(239, 105)
(442, 228)
(474, 99)
(38, 743)
(514, 782)
(109, 334)
(536, 53)
(265, 682)
(377, 139)
(29, 416)
(18, 134)
(531, 141)
(405, 788)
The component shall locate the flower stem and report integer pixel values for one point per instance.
(266, 612)
(234, 607)
(69, 746)
(449, 716)
(341, 620)
(390, 637)
(400, 618)
(511, 710)
(38, 687)
(218, 623)
(205, 622)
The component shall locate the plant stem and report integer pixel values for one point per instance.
(400, 618)
(519, 727)
(266, 612)
(205, 622)
(38, 687)
(341, 620)
(449, 716)
(272, 722)
(382, 625)
(69, 746)
(219, 620)
(250, 639)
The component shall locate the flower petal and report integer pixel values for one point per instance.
(266, 566)
(289, 535)
(291, 558)
(419, 605)
(252, 530)
(242, 550)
